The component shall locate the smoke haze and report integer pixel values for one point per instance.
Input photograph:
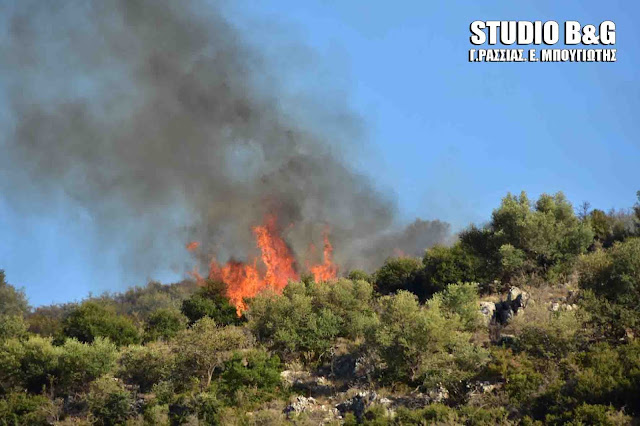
(156, 118)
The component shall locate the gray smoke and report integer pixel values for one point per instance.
(157, 118)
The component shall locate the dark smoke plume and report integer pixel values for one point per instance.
(157, 118)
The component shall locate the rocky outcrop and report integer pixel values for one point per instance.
(481, 387)
(300, 405)
(518, 296)
(438, 394)
(358, 404)
(316, 412)
(488, 310)
(566, 303)
(307, 382)
(515, 302)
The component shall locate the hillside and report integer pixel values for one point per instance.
(529, 319)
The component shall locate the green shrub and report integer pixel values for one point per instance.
(525, 237)
(80, 363)
(109, 402)
(35, 364)
(22, 409)
(292, 325)
(447, 265)
(462, 300)
(422, 345)
(156, 415)
(614, 273)
(164, 324)
(523, 385)
(255, 371)
(145, 366)
(608, 375)
(481, 416)
(350, 301)
(203, 348)
(586, 414)
(91, 320)
(29, 364)
(12, 300)
(554, 338)
(376, 415)
(432, 414)
(12, 326)
(207, 407)
(207, 303)
(359, 275)
(47, 321)
(397, 274)
(608, 321)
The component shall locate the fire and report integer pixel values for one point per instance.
(276, 268)
(192, 246)
(399, 253)
(242, 280)
(327, 270)
(275, 255)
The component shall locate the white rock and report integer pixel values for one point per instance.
(487, 309)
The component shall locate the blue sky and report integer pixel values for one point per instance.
(449, 137)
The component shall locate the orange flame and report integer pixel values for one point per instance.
(245, 280)
(327, 270)
(242, 281)
(275, 255)
(399, 253)
(192, 246)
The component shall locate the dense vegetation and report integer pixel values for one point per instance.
(408, 343)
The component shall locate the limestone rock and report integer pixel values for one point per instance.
(438, 394)
(300, 405)
(357, 404)
(487, 309)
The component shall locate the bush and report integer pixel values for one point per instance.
(47, 321)
(164, 324)
(12, 326)
(207, 407)
(19, 408)
(421, 345)
(608, 375)
(293, 325)
(91, 320)
(554, 338)
(525, 237)
(35, 364)
(203, 348)
(255, 372)
(307, 318)
(462, 300)
(12, 301)
(211, 302)
(156, 415)
(145, 366)
(350, 301)
(608, 321)
(614, 273)
(359, 275)
(481, 416)
(109, 402)
(29, 364)
(447, 265)
(432, 414)
(587, 414)
(80, 363)
(398, 274)
(522, 385)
